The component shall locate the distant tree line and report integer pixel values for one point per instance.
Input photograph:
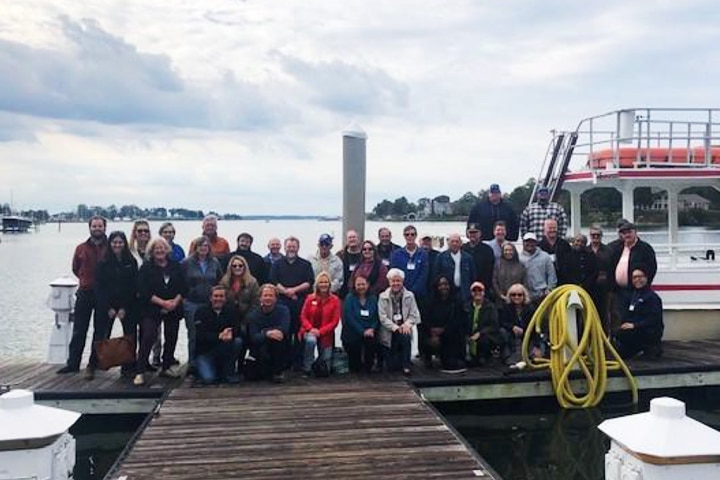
(598, 205)
(83, 212)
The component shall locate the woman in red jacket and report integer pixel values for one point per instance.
(318, 319)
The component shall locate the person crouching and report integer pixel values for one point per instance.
(641, 326)
(218, 342)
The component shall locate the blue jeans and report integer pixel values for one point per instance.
(219, 363)
(310, 342)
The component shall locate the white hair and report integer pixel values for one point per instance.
(395, 272)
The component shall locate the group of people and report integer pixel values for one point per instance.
(254, 316)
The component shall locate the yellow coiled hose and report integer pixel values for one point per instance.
(589, 356)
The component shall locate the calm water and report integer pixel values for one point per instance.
(29, 262)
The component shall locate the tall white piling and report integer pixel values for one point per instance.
(354, 178)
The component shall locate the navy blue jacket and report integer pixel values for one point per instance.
(354, 322)
(645, 310)
(445, 267)
(209, 324)
(260, 322)
(486, 214)
(415, 276)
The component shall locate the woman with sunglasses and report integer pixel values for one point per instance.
(372, 268)
(242, 288)
(484, 337)
(139, 240)
(515, 316)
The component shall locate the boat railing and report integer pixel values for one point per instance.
(648, 137)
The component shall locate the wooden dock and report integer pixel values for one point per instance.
(108, 393)
(345, 427)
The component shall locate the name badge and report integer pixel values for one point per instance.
(364, 313)
(397, 317)
(314, 302)
(631, 308)
(352, 267)
(411, 266)
(386, 262)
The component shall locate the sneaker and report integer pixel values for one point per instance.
(278, 378)
(67, 369)
(170, 372)
(453, 371)
(139, 380)
(406, 372)
(156, 362)
(88, 373)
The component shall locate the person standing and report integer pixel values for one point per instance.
(258, 266)
(116, 292)
(325, 261)
(385, 246)
(534, 216)
(579, 266)
(274, 246)
(629, 254)
(554, 245)
(84, 265)
(350, 256)
(494, 209)
(167, 231)
(218, 245)
(603, 254)
(508, 272)
(539, 269)
(161, 289)
(426, 243)
(483, 260)
(293, 277)
(139, 240)
(499, 238)
(413, 261)
(457, 266)
(372, 268)
(202, 272)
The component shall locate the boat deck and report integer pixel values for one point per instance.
(343, 427)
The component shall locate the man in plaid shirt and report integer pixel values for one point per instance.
(534, 216)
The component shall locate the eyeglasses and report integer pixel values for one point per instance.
(410, 234)
(638, 276)
(167, 232)
(478, 290)
(142, 230)
(596, 234)
(239, 265)
(517, 294)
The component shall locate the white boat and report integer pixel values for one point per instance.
(668, 149)
(16, 224)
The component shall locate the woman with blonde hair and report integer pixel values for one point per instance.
(515, 315)
(243, 290)
(139, 240)
(319, 317)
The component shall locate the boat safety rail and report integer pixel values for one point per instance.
(588, 354)
(648, 137)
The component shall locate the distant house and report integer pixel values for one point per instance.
(441, 205)
(689, 201)
(424, 207)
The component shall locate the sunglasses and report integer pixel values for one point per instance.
(142, 230)
(410, 234)
(239, 265)
(517, 294)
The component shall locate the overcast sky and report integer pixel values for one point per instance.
(238, 106)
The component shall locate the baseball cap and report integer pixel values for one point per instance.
(626, 226)
(325, 239)
(530, 236)
(494, 188)
(473, 227)
(543, 189)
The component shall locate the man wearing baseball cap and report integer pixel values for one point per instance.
(491, 210)
(628, 255)
(534, 216)
(325, 261)
(539, 268)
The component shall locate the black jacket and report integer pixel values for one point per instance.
(578, 267)
(641, 255)
(151, 281)
(509, 317)
(209, 324)
(116, 283)
(486, 214)
(645, 311)
(484, 259)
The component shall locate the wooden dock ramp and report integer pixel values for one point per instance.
(345, 428)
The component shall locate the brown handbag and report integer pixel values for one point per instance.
(114, 352)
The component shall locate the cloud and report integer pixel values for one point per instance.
(345, 88)
(105, 79)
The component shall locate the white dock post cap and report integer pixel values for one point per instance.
(22, 419)
(664, 432)
(64, 282)
(354, 130)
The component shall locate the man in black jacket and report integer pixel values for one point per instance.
(491, 210)
(482, 255)
(269, 332)
(217, 337)
(259, 268)
(628, 255)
